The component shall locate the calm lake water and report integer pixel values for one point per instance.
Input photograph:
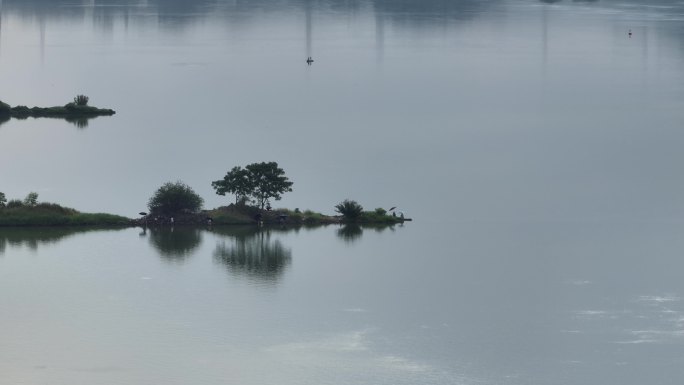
(537, 145)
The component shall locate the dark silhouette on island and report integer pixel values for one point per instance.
(178, 204)
(77, 112)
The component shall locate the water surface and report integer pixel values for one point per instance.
(497, 303)
(536, 143)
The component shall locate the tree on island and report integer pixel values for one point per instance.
(236, 182)
(31, 199)
(3, 199)
(81, 100)
(260, 181)
(174, 198)
(269, 181)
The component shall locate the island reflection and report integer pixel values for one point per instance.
(33, 238)
(174, 244)
(253, 252)
(80, 123)
(352, 232)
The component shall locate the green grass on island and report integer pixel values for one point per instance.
(239, 214)
(51, 214)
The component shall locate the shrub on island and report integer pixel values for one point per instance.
(174, 198)
(350, 210)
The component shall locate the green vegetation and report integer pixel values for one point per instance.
(350, 210)
(16, 213)
(233, 215)
(244, 215)
(77, 111)
(237, 214)
(177, 203)
(378, 217)
(260, 181)
(173, 199)
(81, 100)
(14, 203)
(31, 199)
(237, 182)
(307, 217)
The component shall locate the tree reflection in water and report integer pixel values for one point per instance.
(34, 237)
(175, 244)
(80, 123)
(252, 252)
(4, 119)
(352, 232)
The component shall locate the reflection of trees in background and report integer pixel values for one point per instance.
(183, 12)
(4, 118)
(35, 237)
(80, 123)
(176, 13)
(252, 252)
(352, 232)
(175, 244)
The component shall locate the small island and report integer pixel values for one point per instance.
(175, 203)
(76, 111)
(30, 212)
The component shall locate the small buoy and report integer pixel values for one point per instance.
(630, 33)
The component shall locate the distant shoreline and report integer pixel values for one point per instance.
(54, 215)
